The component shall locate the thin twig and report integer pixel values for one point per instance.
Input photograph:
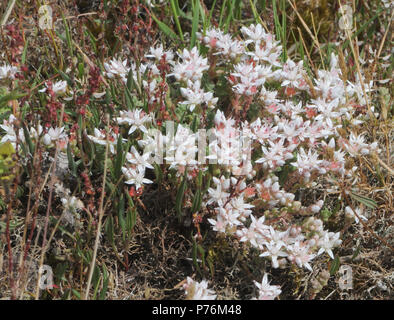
(382, 43)
(356, 60)
(306, 50)
(88, 61)
(8, 12)
(51, 184)
(101, 214)
(365, 225)
(391, 171)
(316, 42)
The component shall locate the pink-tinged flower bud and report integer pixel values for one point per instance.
(296, 205)
(315, 208)
(312, 242)
(318, 223)
(46, 139)
(290, 196)
(282, 263)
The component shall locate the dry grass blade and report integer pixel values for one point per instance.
(7, 13)
(356, 60)
(45, 245)
(101, 214)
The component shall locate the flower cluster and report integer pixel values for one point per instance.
(267, 291)
(8, 72)
(198, 290)
(255, 160)
(49, 136)
(71, 204)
